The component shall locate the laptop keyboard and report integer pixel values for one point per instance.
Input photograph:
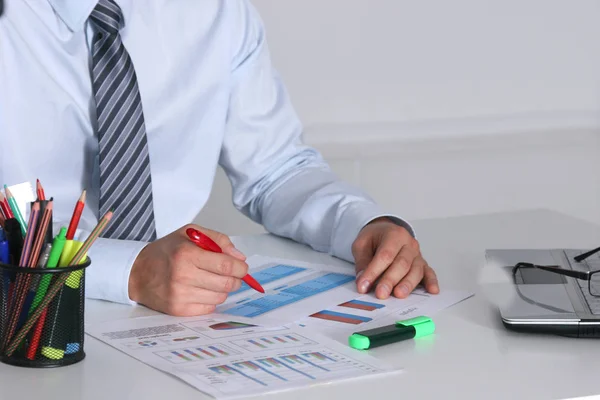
(592, 263)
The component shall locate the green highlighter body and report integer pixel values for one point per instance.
(401, 330)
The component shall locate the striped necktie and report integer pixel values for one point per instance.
(125, 181)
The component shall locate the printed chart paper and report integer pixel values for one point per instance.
(364, 312)
(229, 358)
(293, 290)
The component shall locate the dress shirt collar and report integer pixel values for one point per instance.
(74, 13)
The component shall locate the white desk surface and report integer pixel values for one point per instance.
(471, 355)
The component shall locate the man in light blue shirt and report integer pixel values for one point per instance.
(138, 102)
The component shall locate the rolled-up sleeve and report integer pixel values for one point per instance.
(277, 180)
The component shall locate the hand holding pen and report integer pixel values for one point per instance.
(175, 275)
(206, 243)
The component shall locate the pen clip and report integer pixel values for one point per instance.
(202, 240)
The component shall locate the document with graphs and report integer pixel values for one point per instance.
(230, 358)
(293, 290)
(325, 299)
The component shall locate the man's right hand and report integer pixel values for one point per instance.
(174, 276)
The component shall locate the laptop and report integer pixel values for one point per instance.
(539, 301)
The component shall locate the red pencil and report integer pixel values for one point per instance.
(40, 191)
(206, 243)
(76, 216)
(5, 207)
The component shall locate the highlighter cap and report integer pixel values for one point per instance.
(359, 342)
(423, 325)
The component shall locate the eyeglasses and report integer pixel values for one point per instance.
(592, 277)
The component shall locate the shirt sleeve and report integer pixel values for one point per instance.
(277, 180)
(107, 277)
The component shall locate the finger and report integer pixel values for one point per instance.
(190, 275)
(218, 263)
(362, 250)
(412, 278)
(386, 253)
(222, 264)
(430, 280)
(234, 252)
(221, 239)
(203, 279)
(399, 268)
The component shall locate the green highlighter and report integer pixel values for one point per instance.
(401, 330)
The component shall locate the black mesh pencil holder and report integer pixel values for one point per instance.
(42, 315)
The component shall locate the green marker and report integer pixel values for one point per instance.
(401, 330)
(62, 311)
(57, 248)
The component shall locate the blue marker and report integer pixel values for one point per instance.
(4, 250)
(4, 276)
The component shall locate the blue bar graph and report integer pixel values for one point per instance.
(274, 362)
(226, 369)
(301, 360)
(254, 366)
(290, 295)
(270, 274)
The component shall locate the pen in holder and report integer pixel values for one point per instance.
(42, 311)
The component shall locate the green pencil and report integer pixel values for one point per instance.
(15, 209)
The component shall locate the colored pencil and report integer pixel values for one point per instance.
(17, 299)
(5, 207)
(41, 234)
(30, 235)
(15, 209)
(40, 191)
(57, 285)
(76, 216)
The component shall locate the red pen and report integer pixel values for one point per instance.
(208, 244)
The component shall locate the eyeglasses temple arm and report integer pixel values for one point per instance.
(557, 270)
(585, 255)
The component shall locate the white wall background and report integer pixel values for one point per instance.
(465, 106)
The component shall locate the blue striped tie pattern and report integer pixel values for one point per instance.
(125, 181)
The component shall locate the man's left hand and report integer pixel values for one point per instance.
(388, 256)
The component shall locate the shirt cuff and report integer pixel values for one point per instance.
(353, 218)
(107, 278)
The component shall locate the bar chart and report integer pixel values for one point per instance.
(274, 342)
(362, 305)
(363, 312)
(199, 353)
(362, 308)
(270, 274)
(218, 329)
(344, 318)
(311, 286)
(283, 370)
